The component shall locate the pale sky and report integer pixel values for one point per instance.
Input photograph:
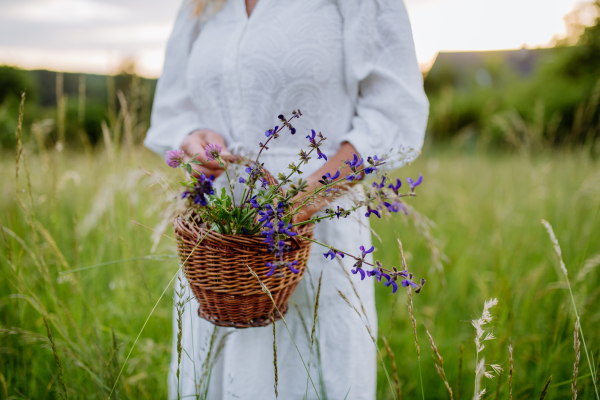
(97, 35)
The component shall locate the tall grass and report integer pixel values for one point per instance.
(76, 216)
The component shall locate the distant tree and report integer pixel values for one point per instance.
(13, 82)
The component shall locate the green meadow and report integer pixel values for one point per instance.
(475, 234)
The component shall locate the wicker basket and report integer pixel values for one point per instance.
(218, 274)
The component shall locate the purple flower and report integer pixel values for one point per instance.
(377, 273)
(332, 252)
(291, 266)
(414, 184)
(339, 212)
(321, 155)
(397, 186)
(370, 170)
(202, 188)
(379, 186)
(334, 177)
(393, 283)
(272, 265)
(327, 178)
(383, 275)
(406, 282)
(311, 138)
(355, 163)
(254, 203)
(397, 206)
(242, 180)
(174, 158)
(359, 270)
(270, 132)
(369, 212)
(212, 151)
(365, 252)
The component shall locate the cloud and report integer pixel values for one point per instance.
(52, 33)
(69, 12)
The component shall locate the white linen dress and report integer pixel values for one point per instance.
(350, 66)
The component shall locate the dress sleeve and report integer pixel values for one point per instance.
(383, 75)
(174, 116)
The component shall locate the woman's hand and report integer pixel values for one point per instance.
(195, 143)
(345, 152)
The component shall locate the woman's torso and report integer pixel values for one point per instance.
(245, 71)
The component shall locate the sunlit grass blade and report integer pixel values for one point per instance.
(152, 312)
(558, 251)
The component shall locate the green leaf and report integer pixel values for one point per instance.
(195, 162)
(189, 168)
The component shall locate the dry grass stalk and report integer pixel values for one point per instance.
(112, 362)
(179, 305)
(275, 354)
(127, 119)
(439, 364)
(362, 307)
(370, 330)
(511, 370)
(577, 347)
(18, 133)
(481, 336)
(149, 315)
(564, 270)
(6, 244)
(266, 290)
(61, 108)
(461, 350)
(589, 265)
(394, 367)
(498, 386)
(479, 396)
(64, 394)
(424, 228)
(107, 141)
(312, 333)
(409, 305)
(85, 140)
(545, 389)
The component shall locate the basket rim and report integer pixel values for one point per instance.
(303, 230)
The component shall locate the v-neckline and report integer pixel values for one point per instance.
(245, 7)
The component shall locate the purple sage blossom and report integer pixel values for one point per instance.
(393, 283)
(414, 184)
(332, 253)
(369, 212)
(359, 270)
(174, 158)
(396, 187)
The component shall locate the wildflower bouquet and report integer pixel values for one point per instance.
(261, 232)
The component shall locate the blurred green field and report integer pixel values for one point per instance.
(487, 209)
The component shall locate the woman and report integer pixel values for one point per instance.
(230, 70)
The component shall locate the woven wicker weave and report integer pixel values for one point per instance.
(217, 270)
(218, 274)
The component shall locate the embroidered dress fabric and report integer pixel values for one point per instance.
(350, 66)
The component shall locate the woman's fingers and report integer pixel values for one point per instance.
(195, 144)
